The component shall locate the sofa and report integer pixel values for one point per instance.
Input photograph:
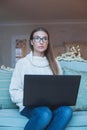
(10, 119)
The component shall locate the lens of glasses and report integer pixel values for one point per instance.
(38, 39)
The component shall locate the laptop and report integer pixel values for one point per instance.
(50, 90)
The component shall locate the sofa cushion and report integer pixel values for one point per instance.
(73, 128)
(81, 103)
(5, 78)
(12, 118)
(75, 65)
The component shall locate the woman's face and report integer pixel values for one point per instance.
(39, 43)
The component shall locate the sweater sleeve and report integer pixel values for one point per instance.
(16, 85)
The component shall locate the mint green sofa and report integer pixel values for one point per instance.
(10, 119)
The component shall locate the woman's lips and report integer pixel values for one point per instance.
(40, 46)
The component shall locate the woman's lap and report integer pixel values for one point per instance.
(45, 118)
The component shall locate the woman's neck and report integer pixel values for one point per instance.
(38, 54)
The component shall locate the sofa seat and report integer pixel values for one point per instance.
(10, 119)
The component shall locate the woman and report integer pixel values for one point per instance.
(39, 61)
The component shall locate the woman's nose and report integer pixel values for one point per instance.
(41, 41)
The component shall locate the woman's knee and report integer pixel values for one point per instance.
(45, 114)
(40, 117)
(67, 111)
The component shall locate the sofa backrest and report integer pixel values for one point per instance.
(75, 67)
(69, 68)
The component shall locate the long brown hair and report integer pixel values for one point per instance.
(48, 53)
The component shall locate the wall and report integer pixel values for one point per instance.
(59, 32)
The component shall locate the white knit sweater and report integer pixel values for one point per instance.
(27, 65)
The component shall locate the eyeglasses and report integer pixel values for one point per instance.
(38, 39)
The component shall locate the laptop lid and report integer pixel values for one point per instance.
(50, 90)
